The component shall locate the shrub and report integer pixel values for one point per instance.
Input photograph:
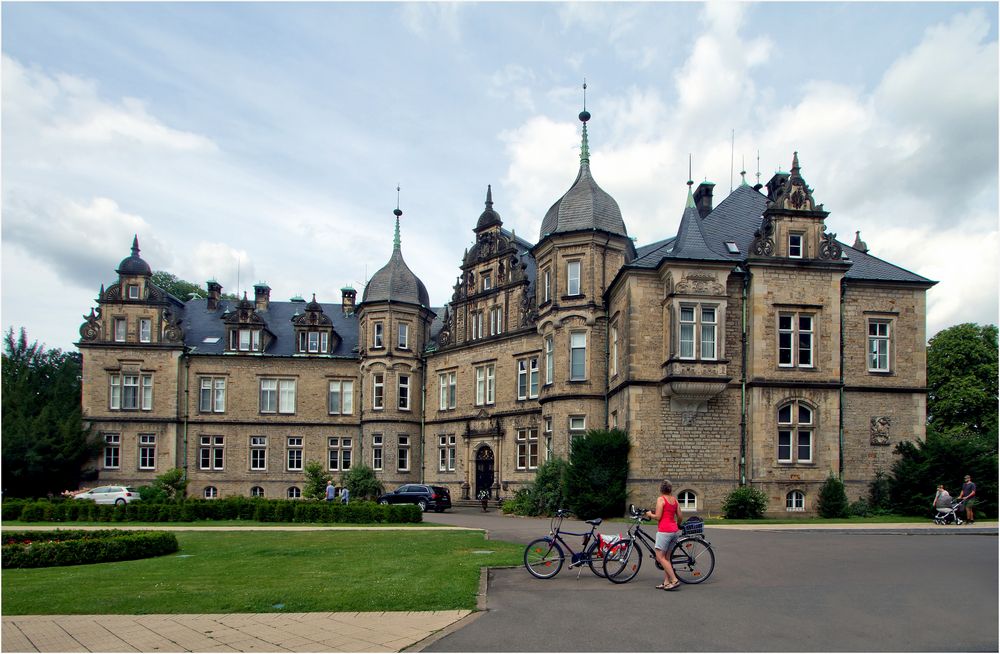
(859, 509)
(316, 478)
(57, 548)
(362, 483)
(879, 489)
(832, 502)
(745, 502)
(594, 482)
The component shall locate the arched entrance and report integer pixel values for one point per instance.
(484, 470)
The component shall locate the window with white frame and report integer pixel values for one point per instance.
(527, 378)
(210, 493)
(341, 397)
(403, 394)
(577, 356)
(573, 278)
(795, 245)
(212, 395)
(795, 340)
(527, 449)
(294, 453)
(339, 453)
(546, 286)
(795, 501)
(796, 424)
(496, 320)
(446, 453)
(244, 339)
(376, 451)
(403, 454)
(378, 391)
(346, 453)
(377, 335)
(547, 431)
(879, 333)
(403, 336)
(293, 493)
(550, 362)
(698, 333)
(314, 342)
(256, 491)
(277, 395)
(447, 387)
(613, 354)
(485, 384)
(145, 330)
(487, 281)
(147, 451)
(258, 452)
(120, 329)
(614, 419)
(131, 392)
(112, 450)
(133, 291)
(211, 452)
(476, 325)
(577, 427)
(687, 500)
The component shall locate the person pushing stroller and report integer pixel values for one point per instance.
(947, 507)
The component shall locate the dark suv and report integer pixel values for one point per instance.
(426, 497)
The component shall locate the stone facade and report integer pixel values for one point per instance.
(773, 360)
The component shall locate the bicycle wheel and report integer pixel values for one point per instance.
(595, 559)
(543, 558)
(693, 560)
(622, 561)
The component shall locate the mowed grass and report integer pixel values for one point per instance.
(270, 571)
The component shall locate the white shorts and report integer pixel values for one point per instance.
(666, 539)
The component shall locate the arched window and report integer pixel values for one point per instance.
(256, 491)
(688, 500)
(294, 493)
(211, 492)
(796, 421)
(795, 501)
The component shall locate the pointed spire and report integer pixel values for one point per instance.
(396, 212)
(690, 201)
(859, 245)
(489, 196)
(584, 117)
(795, 164)
(135, 245)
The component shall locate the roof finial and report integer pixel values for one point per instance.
(690, 183)
(135, 245)
(743, 173)
(489, 196)
(584, 117)
(758, 167)
(795, 164)
(396, 212)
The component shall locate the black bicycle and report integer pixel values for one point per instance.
(692, 556)
(544, 557)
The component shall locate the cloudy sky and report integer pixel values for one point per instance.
(264, 142)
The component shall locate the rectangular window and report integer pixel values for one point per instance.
(294, 453)
(268, 395)
(708, 333)
(211, 452)
(785, 445)
(527, 449)
(133, 291)
(573, 278)
(546, 286)
(333, 453)
(403, 336)
(496, 321)
(548, 437)
(244, 340)
(286, 396)
(527, 378)
(378, 391)
(377, 336)
(112, 450)
(145, 330)
(804, 445)
(115, 395)
(345, 453)
(147, 392)
(487, 281)
(485, 384)
(614, 351)
(795, 340)
(131, 392)
(446, 453)
(549, 360)
(878, 345)
(212, 395)
(447, 390)
(258, 452)
(795, 246)
(377, 451)
(404, 392)
(147, 451)
(476, 325)
(120, 329)
(341, 397)
(577, 356)
(313, 341)
(403, 454)
(577, 427)
(687, 325)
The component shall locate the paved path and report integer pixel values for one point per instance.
(330, 632)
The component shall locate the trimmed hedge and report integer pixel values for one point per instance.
(43, 549)
(229, 508)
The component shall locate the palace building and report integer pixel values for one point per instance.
(751, 347)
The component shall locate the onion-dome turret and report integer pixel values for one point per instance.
(395, 282)
(134, 264)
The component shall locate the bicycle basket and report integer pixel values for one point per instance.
(693, 525)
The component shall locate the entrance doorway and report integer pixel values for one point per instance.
(484, 471)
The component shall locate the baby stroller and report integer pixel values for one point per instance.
(949, 515)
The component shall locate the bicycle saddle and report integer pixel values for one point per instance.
(595, 522)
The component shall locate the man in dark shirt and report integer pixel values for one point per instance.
(968, 496)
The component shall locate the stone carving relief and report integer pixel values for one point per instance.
(700, 285)
(880, 429)
(763, 241)
(91, 330)
(829, 248)
(172, 332)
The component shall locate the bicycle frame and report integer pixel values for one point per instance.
(591, 552)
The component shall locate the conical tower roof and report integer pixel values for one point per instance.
(395, 282)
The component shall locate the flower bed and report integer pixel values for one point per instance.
(42, 549)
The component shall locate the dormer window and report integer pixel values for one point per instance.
(795, 246)
(314, 342)
(244, 340)
(133, 291)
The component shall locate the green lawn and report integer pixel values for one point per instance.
(265, 571)
(73, 524)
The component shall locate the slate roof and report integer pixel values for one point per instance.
(690, 241)
(585, 206)
(199, 323)
(395, 282)
(134, 264)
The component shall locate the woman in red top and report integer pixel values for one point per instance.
(668, 517)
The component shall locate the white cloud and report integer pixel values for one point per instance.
(430, 19)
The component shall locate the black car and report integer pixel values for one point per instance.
(426, 497)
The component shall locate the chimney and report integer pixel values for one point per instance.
(261, 296)
(214, 294)
(703, 198)
(348, 294)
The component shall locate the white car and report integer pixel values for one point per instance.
(110, 495)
